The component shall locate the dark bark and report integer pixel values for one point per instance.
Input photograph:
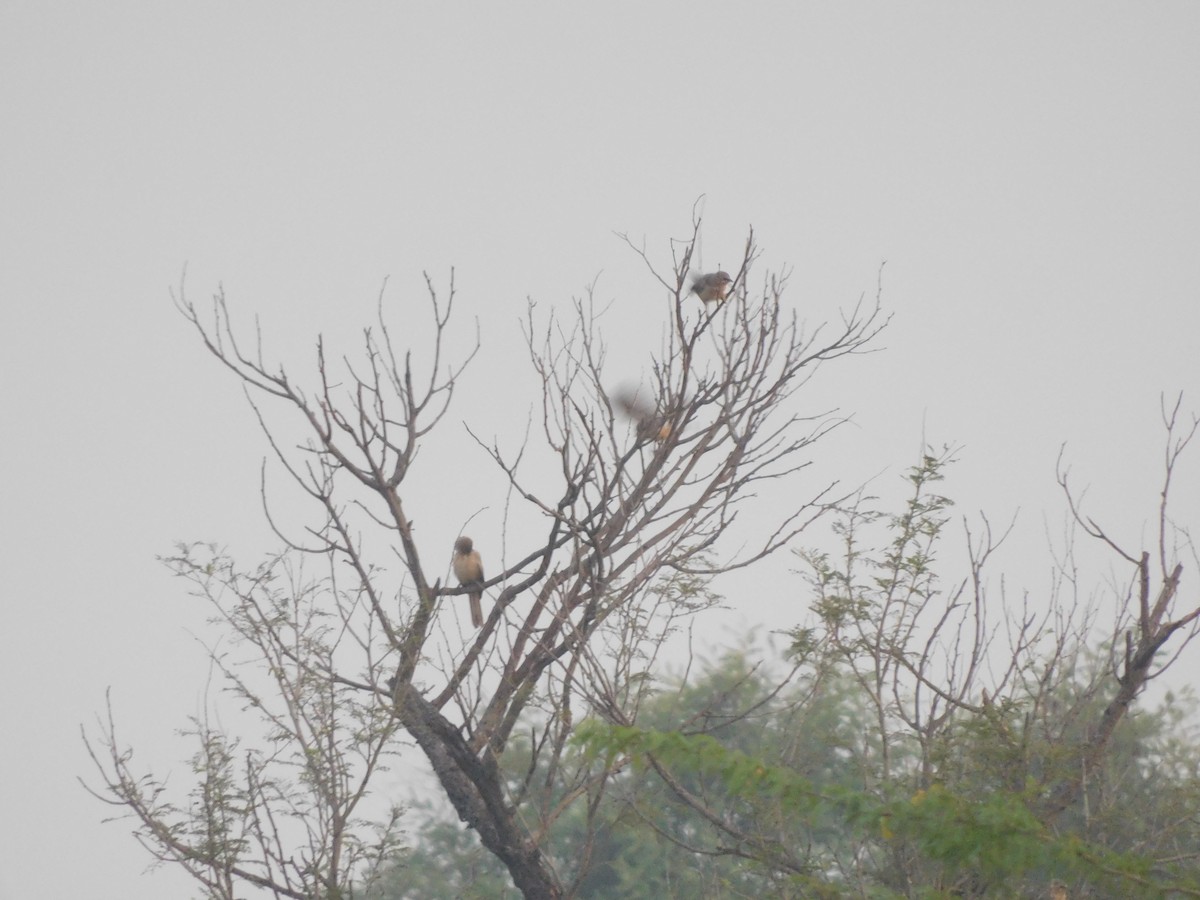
(474, 785)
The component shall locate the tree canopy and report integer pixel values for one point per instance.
(921, 736)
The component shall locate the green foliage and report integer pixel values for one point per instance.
(996, 839)
(809, 811)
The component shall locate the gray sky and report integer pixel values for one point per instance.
(1027, 170)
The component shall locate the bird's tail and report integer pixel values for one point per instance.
(477, 609)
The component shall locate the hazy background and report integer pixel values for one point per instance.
(1029, 172)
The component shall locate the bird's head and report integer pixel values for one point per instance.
(463, 545)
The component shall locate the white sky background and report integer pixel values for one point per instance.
(1029, 172)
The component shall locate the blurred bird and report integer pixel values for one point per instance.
(650, 423)
(468, 569)
(713, 287)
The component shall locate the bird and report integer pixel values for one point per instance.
(713, 287)
(650, 424)
(468, 569)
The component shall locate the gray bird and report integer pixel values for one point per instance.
(468, 569)
(713, 287)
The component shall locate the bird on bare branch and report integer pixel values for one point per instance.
(713, 287)
(650, 423)
(468, 569)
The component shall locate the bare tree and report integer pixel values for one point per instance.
(1149, 615)
(630, 529)
(286, 815)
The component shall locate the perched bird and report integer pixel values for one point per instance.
(650, 423)
(468, 569)
(712, 287)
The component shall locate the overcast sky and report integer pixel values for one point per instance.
(1029, 172)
